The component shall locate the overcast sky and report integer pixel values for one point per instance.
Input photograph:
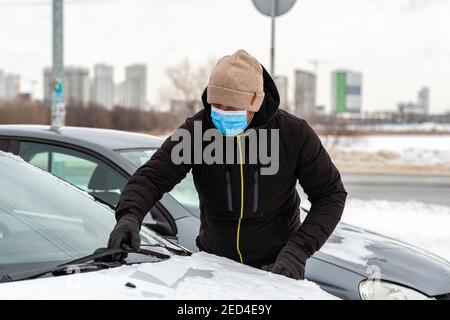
(399, 45)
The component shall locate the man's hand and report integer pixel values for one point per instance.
(290, 262)
(125, 234)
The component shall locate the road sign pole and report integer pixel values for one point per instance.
(272, 46)
(273, 9)
(58, 111)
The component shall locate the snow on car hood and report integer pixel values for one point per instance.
(363, 251)
(199, 276)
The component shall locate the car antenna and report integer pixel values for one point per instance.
(55, 129)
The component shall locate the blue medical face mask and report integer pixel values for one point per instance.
(229, 123)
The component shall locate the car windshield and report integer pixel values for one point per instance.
(44, 220)
(185, 192)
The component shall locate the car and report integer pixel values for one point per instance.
(52, 238)
(353, 264)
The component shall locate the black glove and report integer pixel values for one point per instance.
(125, 234)
(290, 262)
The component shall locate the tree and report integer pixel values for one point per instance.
(333, 128)
(187, 83)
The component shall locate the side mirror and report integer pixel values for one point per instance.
(160, 226)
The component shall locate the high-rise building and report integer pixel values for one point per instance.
(346, 91)
(119, 94)
(282, 85)
(9, 86)
(423, 99)
(103, 86)
(75, 86)
(135, 86)
(305, 94)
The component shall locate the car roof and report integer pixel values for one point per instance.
(106, 138)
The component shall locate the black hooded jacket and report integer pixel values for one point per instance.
(247, 216)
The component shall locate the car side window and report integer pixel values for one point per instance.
(4, 144)
(40, 160)
(186, 194)
(82, 170)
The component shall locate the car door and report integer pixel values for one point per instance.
(93, 175)
(84, 171)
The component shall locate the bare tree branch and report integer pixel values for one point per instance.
(187, 82)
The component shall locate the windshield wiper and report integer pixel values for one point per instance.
(97, 260)
(180, 251)
(100, 254)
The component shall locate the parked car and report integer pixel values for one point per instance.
(52, 238)
(353, 264)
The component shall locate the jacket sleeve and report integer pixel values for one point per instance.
(321, 181)
(153, 179)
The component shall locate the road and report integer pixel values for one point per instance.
(428, 189)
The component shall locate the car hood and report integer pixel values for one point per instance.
(370, 254)
(199, 276)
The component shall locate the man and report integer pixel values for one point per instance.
(247, 216)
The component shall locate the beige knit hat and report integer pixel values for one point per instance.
(237, 81)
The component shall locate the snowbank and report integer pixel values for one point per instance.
(407, 154)
(410, 127)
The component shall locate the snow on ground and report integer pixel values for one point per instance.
(413, 154)
(426, 226)
(396, 143)
(410, 127)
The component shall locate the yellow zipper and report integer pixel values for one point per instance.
(242, 200)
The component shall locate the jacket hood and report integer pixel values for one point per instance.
(269, 105)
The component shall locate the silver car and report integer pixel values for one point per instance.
(101, 161)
